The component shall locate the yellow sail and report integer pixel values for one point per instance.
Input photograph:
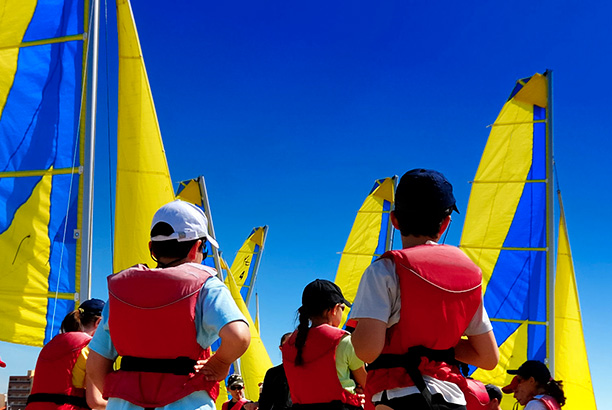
(143, 179)
(571, 362)
(255, 362)
(246, 262)
(370, 237)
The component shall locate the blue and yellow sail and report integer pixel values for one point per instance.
(370, 236)
(507, 232)
(505, 228)
(41, 158)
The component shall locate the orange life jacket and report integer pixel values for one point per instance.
(440, 290)
(316, 381)
(52, 383)
(152, 325)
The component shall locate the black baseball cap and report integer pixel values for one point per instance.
(92, 307)
(424, 190)
(494, 392)
(535, 369)
(322, 294)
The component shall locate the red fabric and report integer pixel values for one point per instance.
(316, 381)
(151, 315)
(440, 291)
(237, 406)
(476, 395)
(550, 402)
(54, 366)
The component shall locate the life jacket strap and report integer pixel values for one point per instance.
(410, 361)
(332, 405)
(181, 366)
(58, 399)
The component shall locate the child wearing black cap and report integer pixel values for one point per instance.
(319, 358)
(414, 305)
(534, 388)
(59, 376)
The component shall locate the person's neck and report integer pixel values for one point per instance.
(318, 321)
(412, 241)
(169, 262)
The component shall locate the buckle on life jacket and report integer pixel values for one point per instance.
(181, 366)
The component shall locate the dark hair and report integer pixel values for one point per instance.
(78, 320)
(285, 337)
(305, 313)
(418, 223)
(170, 248)
(554, 388)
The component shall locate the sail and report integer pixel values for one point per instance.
(505, 229)
(255, 362)
(371, 235)
(143, 180)
(42, 150)
(571, 362)
(246, 262)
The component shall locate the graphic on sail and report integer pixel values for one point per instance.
(571, 362)
(505, 226)
(143, 179)
(371, 235)
(41, 87)
(246, 262)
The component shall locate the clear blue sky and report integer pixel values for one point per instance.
(292, 109)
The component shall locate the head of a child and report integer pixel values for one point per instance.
(322, 303)
(424, 201)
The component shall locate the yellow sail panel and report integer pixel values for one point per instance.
(223, 395)
(369, 238)
(143, 179)
(511, 356)
(23, 305)
(255, 362)
(571, 362)
(190, 191)
(244, 262)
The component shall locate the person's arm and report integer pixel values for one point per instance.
(360, 376)
(369, 338)
(235, 338)
(479, 350)
(97, 368)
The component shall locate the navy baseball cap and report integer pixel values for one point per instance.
(424, 190)
(92, 306)
(535, 369)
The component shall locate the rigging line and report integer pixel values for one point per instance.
(74, 160)
(556, 177)
(498, 124)
(108, 137)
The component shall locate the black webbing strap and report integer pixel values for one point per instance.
(181, 366)
(410, 361)
(58, 399)
(332, 405)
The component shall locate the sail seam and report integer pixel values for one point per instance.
(503, 248)
(529, 322)
(360, 254)
(65, 39)
(498, 124)
(511, 181)
(39, 172)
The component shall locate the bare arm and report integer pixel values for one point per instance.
(97, 368)
(369, 339)
(360, 376)
(480, 350)
(235, 338)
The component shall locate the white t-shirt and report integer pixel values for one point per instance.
(378, 297)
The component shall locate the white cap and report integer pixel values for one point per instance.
(187, 220)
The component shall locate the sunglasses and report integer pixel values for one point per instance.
(236, 387)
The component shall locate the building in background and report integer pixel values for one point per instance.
(18, 391)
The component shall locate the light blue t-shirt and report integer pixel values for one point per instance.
(215, 308)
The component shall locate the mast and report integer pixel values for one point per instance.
(211, 227)
(550, 227)
(390, 228)
(88, 166)
(256, 267)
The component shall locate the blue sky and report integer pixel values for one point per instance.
(292, 109)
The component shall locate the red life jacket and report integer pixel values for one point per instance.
(152, 316)
(53, 374)
(440, 290)
(316, 381)
(549, 402)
